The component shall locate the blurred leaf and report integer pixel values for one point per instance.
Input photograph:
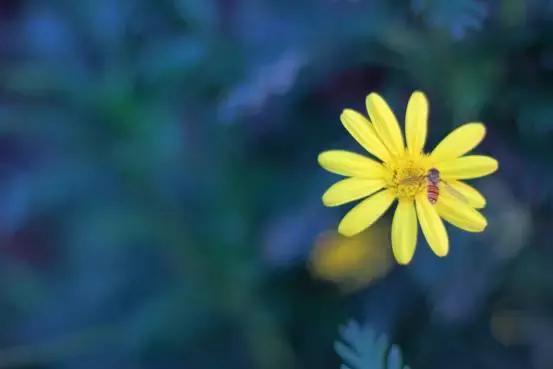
(361, 348)
(456, 16)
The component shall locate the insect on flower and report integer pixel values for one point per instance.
(429, 187)
(433, 186)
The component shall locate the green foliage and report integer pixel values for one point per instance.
(361, 348)
(159, 177)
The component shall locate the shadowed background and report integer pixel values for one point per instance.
(160, 197)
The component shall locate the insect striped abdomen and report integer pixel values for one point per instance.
(433, 191)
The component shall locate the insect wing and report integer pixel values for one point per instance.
(411, 180)
(453, 192)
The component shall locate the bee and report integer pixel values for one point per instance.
(433, 183)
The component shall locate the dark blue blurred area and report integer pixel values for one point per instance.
(160, 195)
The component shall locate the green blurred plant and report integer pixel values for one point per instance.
(361, 348)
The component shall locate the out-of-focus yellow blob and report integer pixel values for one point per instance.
(351, 262)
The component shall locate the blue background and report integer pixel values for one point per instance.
(160, 196)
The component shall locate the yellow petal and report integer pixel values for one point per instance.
(416, 122)
(366, 213)
(351, 189)
(362, 130)
(471, 166)
(432, 226)
(469, 193)
(460, 214)
(459, 142)
(404, 232)
(385, 123)
(350, 164)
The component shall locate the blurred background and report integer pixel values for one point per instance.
(160, 196)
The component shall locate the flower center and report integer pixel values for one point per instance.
(407, 179)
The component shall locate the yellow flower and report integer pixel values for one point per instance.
(351, 262)
(401, 172)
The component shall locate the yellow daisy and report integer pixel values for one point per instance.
(400, 171)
